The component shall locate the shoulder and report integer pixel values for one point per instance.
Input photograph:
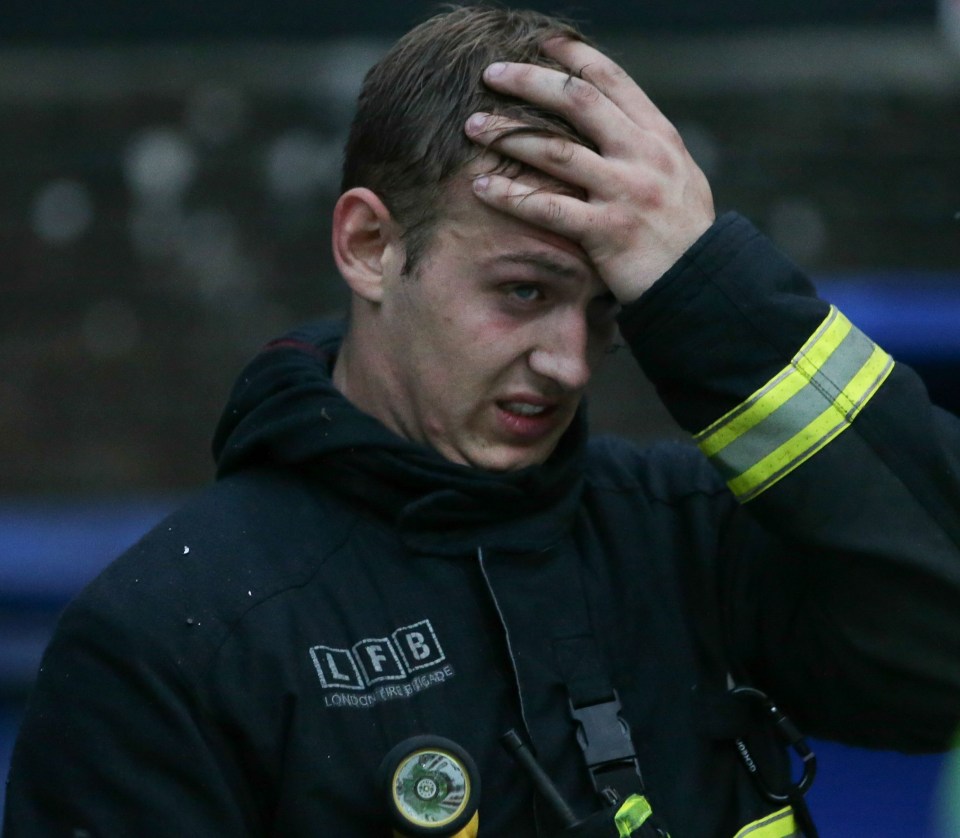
(189, 582)
(665, 471)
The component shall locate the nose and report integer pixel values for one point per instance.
(562, 353)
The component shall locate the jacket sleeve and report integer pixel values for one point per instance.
(842, 590)
(77, 771)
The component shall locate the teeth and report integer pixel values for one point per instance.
(523, 408)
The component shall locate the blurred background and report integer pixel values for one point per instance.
(167, 172)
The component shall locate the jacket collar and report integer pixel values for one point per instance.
(285, 412)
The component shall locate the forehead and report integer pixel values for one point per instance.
(464, 217)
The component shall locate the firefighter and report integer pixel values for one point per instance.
(411, 534)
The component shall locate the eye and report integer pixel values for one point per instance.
(525, 292)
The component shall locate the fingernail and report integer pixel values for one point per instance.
(476, 122)
(495, 70)
(481, 183)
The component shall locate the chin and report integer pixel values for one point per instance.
(510, 460)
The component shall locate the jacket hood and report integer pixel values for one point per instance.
(285, 412)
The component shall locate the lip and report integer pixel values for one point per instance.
(532, 427)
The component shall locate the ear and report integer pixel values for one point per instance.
(365, 242)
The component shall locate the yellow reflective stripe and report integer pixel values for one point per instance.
(799, 411)
(814, 436)
(866, 382)
(780, 389)
(778, 825)
(632, 815)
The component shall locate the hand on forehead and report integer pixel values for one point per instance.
(493, 162)
(634, 204)
(594, 91)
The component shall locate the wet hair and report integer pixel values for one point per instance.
(407, 139)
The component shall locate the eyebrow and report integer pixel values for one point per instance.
(541, 261)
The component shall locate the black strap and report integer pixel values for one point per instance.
(603, 735)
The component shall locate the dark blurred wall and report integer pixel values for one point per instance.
(164, 210)
(67, 21)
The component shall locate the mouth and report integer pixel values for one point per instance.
(525, 408)
(527, 419)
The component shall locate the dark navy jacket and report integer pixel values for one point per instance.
(243, 669)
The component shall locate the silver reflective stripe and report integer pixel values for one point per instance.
(801, 409)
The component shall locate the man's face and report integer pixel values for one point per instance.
(488, 344)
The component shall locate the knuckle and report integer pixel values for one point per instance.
(643, 192)
(582, 93)
(617, 73)
(654, 197)
(660, 153)
(552, 210)
(673, 137)
(560, 153)
(619, 225)
(663, 160)
(605, 75)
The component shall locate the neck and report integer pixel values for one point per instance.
(341, 365)
(359, 373)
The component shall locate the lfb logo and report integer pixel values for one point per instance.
(378, 659)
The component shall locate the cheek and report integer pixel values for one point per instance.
(458, 348)
(469, 370)
(478, 341)
(494, 351)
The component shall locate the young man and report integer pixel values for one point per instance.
(411, 536)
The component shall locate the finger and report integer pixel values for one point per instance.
(486, 128)
(600, 176)
(561, 214)
(603, 72)
(582, 104)
(560, 158)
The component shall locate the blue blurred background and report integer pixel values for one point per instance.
(166, 176)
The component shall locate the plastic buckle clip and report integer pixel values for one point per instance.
(604, 738)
